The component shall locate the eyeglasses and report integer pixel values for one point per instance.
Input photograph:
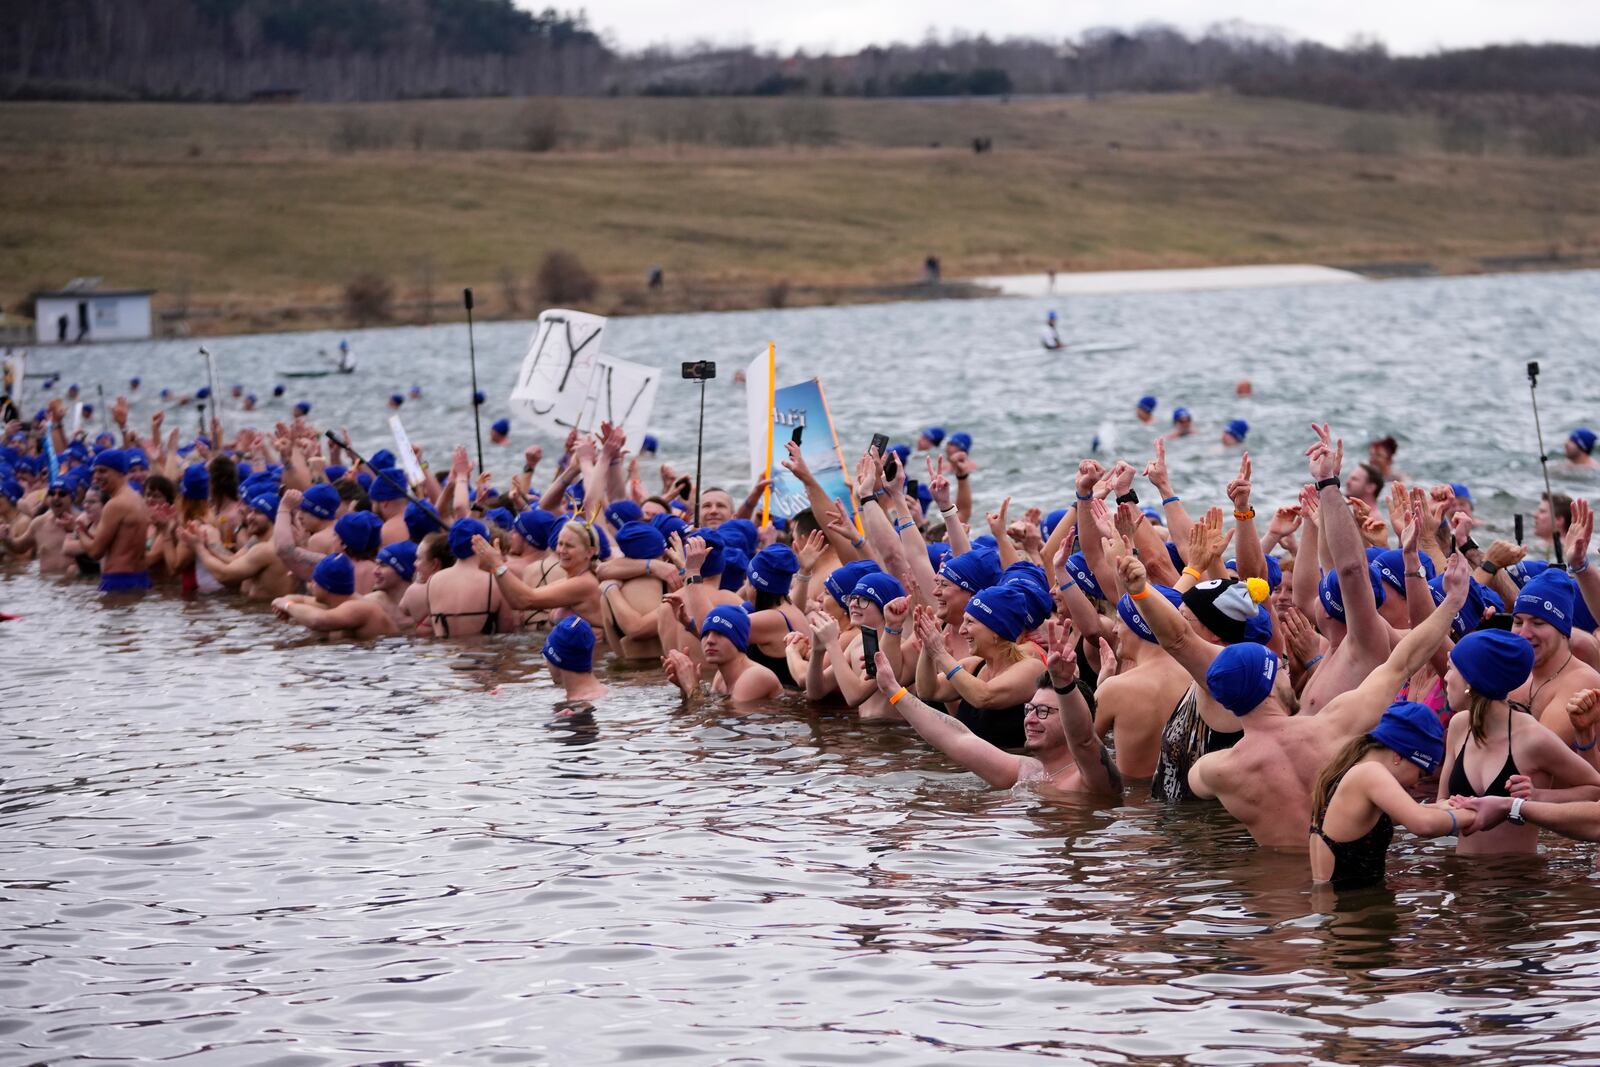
(1039, 711)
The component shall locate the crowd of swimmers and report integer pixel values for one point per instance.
(1316, 670)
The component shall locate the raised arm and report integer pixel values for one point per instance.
(299, 561)
(996, 766)
(1338, 527)
(1178, 520)
(821, 503)
(1172, 632)
(1247, 550)
(1095, 762)
(955, 531)
(1358, 710)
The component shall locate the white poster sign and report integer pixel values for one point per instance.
(404, 453)
(552, 387)
(758, 411)
(622, 393)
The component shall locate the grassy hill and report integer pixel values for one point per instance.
(264, 213)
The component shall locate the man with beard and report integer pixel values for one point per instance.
(46, 533)
(1061, 754)
(255, 570)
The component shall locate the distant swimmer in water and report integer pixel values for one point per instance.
(1049, 337)
(1235, 432)
(1145, 410)
(1182, 423)
(1579, 448)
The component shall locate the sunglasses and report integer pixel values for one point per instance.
(1039, 711)
(59, 492)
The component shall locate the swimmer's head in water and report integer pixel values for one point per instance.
(335, 575)
(724, 625)
(570, 645)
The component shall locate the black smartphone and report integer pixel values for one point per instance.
(1500, 620)
(880, 444)
(1516, 526)
(912, 486)
(797, 433)
(891, 467)
(683, 486)
(700, 370)
(869, 650)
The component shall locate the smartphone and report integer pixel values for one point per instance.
(700, 370)
(912, 486)
(1516, 526)
(891, 467)
(880, 444)
(797, 433)
(869, 650)
(1500, 620)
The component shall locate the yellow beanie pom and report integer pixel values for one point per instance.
(1259, 589)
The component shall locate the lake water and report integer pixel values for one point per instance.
(227, 844)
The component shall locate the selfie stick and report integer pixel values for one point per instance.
(330, 435)
(699, 445)
(472, 351)
(1544, 461)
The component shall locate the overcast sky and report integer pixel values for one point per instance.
(846, 25)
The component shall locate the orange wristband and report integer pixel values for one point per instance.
(1192, 571)
(898, 694)
(1140, 595)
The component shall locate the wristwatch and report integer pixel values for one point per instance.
(1328, 483)
(1489, 567)
(1130, 497)
(500, 571)
(1515, 814)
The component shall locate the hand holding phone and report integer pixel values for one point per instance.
(869, 650)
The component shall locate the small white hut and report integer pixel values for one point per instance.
(82, 312)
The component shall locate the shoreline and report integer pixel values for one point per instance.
(691, 298)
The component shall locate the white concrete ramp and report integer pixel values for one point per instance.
(1157, 281)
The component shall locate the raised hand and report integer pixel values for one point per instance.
(824, 629)
(1131, 574)
(678, 601)
(489, 557)
(929, 631)
(680, 671)
(1088, 477)
(1575, 545)
(1583, 711)
(888, 684)
(1461, 528)
(869, 474)
(1128, 517)
(1108, 660)
(531, 456)
(1503, 553)
(840, 523)
(1299, 634)
(1239, 488)
(460, 464)
(291, 499)
(1121, 476)
(1061, 657)
(1100, 515)
(962, 463)
(795, 463)
(1285, 521)
(1310, 506)
(1411, 531)
(895, 612)
(938, 484)
(1208, 540)
(695, 551)
(1457, 580)
(1326, 457)
(1156, 470)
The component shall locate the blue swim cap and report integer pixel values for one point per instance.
(1129, 611)
(731, 622)
(202, 393)
(938, 552)
(640, 540)
(321, 501)
(1179, 414)
(772, 570)
(1524, 571)
(974, 570)
(390, 484)
(196, 482)
(336, 574)
(478, 398)
(649, 444)
(1471, 613)
(277, 390)
(265, 503)
(1241, 676)
(879, 587)
(1391, 568)
(359, 532)
(1147, 404)
(1412, 731)
(742, 532)
(1274, 570)
(1078, 568)
(1583, 437)
(1332, 596)
(623, 512)
(714, 544)
(961, 441)
(422, 519)
(396, 399)
(935, 435)
(334, 471)
(302, 407)
(1460, 490)
(734, 565)
(1493, 662)
(670, 524)
(570, 645)
(1238, 429)
(499, 517)
(462, 531)
(1002, 608)
(401, 557)
(535, 525)
(842, 582)
(1549, 597)
(501, 426)
(112, 459)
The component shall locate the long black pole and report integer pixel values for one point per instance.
(699, 448)
(329, 434)
(1544, 461)
(472, 350)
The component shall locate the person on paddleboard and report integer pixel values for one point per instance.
(1049, 337)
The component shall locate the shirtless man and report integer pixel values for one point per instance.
(333, 607)
(716, 508)
(356, 533)
(1265, 781)
(388, 496)
(319, 509)
(397, 565)
(1061, 755)
(119, 541)
(1543, 615)
(1137, 700)
(46, 533)
(724, 636)
(255, 570)
(1363, 639)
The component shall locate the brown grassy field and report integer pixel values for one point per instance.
(248, 209)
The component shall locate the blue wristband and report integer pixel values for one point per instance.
(1168, 500)
(1082, 497)
(951, 673)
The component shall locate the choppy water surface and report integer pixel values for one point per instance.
(224, 843)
